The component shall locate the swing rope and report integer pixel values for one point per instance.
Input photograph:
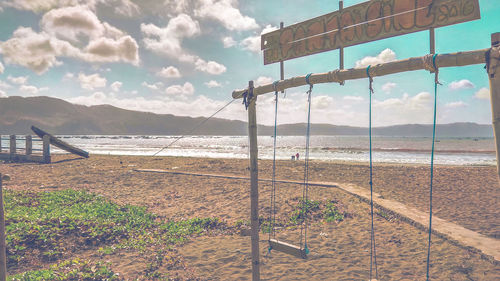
(436, 83)
(306, 170)
(272, 212)
(373, 250)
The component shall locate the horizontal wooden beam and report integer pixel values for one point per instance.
(338, 75)
(22, 157)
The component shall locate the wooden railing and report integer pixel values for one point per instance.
(15, 154)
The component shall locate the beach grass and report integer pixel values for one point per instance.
(54, 224)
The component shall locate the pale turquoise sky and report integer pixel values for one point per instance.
(114, 51)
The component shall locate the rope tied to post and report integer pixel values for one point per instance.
(370, 79)
(310, 86)
(430, 65)
(333, 76)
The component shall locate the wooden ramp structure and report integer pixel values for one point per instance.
(59, 143)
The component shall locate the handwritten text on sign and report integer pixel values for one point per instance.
(365, 22)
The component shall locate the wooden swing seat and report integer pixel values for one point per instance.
(287, 248)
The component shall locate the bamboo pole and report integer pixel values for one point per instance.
(29, 145)
(494, 76)
(3, 248)
(336, 76)
(254, 184)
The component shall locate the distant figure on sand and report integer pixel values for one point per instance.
(297, 156)
(293, 157)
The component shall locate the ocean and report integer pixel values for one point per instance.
(450, 151)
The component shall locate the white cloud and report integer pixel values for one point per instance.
(169, 72)
(252, 43)
(353, 98)
(4, 85)
(73, 32)
(321, 102)
(91, 82)
(213, 84)
(462, 84)
(2, 68)
(32, 90)
(387, 87)
(482, 94)
(116, 86)
(167, 40)
(20, 80)
(156, 86)
(186, 89)
(225, 12)
(120, 7)
(262, 80)
(455, 104)
(2, 93)
(404, 110)
(386, 55)
(68, 76)
(228, 42)
(210, 67)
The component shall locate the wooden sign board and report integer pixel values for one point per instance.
(365, 22)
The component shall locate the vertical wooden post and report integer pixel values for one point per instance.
(3, 248)
(12, 148)
(432, 41)
(46, 149)
(29, 145)
(282, 64)
(494, 75)
(0, 143)
(254, 184)
(341, 49)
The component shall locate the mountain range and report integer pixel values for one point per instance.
(60, 117)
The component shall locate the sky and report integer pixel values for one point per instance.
(185, 57)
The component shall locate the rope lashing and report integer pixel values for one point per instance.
(436, 83)
(333, 76)
(245, 99)
(430, 65)
(370, 79)
(373, 249)
(310, 85)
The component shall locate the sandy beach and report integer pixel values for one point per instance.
(465, 195)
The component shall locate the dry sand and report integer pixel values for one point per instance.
(468, 196)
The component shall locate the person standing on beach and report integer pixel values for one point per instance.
(297, 156)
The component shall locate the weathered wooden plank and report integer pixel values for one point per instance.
(287, 248)
(364, 22)
(59, 143)
(22, 157)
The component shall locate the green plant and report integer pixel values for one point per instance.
(331, 213)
